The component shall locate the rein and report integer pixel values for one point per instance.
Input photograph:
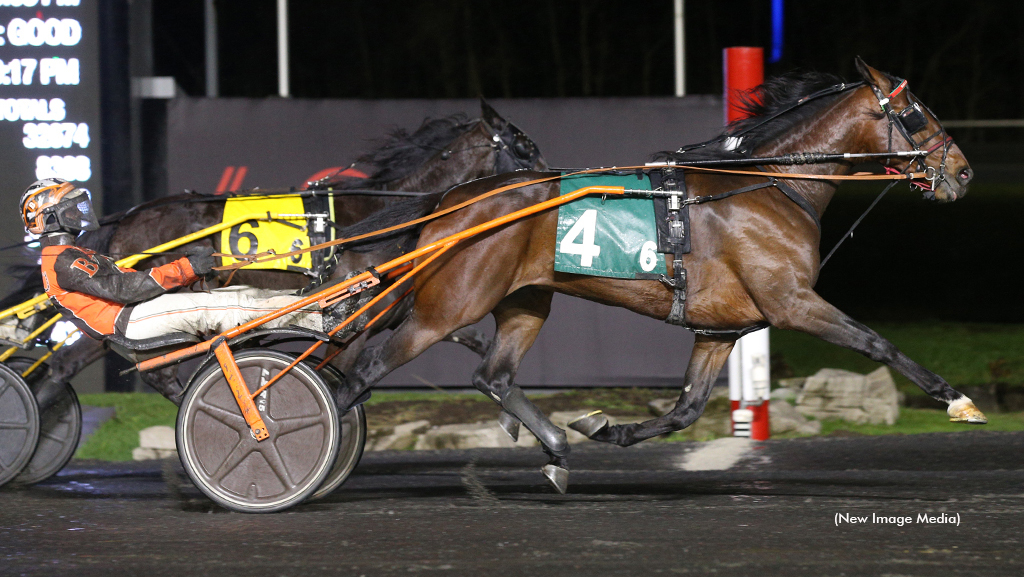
(247, 260)
(908, 122)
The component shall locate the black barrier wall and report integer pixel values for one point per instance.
(273, 143)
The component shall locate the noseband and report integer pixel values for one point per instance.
(908, 122)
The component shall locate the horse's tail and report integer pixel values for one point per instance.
(28, 283)
(398, 213)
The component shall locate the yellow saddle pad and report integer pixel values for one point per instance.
(253, 236)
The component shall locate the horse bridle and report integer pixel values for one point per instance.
(908, 122)
(520, 152)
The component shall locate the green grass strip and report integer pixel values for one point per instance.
(916, 421)
(116, 438)
(962, 353)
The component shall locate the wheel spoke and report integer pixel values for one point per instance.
(52, 437)
(292, 424)
(238, 453)
(231, 419)
(273, 456)
(10, 426)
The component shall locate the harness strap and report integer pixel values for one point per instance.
(800, 201)
(678, 234)
(727, 194)
(784, 188)
(499, 190)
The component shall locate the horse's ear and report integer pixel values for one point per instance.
(873, 76)
(491, 116)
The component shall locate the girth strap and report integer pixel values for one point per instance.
(677, 315)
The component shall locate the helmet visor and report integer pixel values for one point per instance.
(76, 213)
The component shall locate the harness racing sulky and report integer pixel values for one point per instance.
(735, 248)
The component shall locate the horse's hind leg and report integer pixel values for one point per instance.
(706, 361)
(64, 365)
(471, 338)
(519, 318)
(811, 314)
(166, 382)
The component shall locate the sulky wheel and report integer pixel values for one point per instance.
(223, 459)
(19, 424)
(60, 428)
(353, 440)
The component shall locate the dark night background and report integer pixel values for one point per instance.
(910, 260)
(963, 59)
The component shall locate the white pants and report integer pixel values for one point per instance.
(210, 313)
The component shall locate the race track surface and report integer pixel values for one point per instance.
(728, 508)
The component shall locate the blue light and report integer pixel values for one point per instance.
(776, 54)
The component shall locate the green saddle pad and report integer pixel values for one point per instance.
(614, 237)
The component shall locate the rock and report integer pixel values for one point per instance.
(661, 407)
(470, 436)
(795, 383)
(401, 437)
(140, 454)
(159, 437)
(839, 394)
(784, 395)
(413, 428)
(784, 418)
(155, 443)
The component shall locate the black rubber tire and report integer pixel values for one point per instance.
(19, 424)
(60, 428)
(226, 463)
(353, 440)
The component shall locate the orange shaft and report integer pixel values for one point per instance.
(233, 375)
(201, 348)
(356, 315)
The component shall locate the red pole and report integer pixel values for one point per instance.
(742, 69)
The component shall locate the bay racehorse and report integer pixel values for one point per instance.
(754, 258)
(439, 155)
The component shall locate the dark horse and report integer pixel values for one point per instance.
(440, 154)
(754, 260)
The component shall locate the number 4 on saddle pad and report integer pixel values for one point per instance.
(614, 237)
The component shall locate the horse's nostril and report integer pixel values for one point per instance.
(965, 175)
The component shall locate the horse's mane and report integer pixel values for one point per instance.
(402, 153)
(775, 95)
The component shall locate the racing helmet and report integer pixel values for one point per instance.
(55, 205)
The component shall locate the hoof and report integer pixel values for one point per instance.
(589, 424)
(557, 476)
(510, 424)
(964, 411)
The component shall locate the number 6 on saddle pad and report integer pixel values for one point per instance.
(612, 237)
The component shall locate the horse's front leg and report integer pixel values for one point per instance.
(706, 361)
(810, 313)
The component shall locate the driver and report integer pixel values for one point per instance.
(103, 299)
